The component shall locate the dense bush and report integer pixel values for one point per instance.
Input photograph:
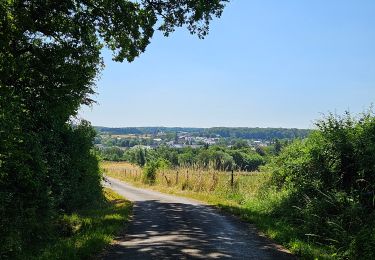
(247, 161)
(111, 154)
(150, 169)
(149, 172)
(39, 181)
(330, 178)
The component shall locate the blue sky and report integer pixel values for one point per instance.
(265, 63)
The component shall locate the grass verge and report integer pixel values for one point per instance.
(259, 210)
(85, 233)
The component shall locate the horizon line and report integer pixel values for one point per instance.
(196, 127)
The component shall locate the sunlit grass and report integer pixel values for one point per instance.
(197, 181)
(249, 198)
(87, 232)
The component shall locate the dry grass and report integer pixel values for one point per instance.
(194, 182)
(243, 198)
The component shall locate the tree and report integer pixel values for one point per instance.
(49, 61)
(277, 147)
(240, 143)
(186, 158)
(141, 156)
(222, 160)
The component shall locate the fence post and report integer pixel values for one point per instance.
(232, 180)
(176, 177)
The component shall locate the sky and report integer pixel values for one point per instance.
(265, 63)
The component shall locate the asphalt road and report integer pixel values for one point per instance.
(170, 227)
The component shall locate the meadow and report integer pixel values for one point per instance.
(246, 194)
(236, 186)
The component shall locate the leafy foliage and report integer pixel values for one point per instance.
(49, 62)
(330, 180)
(149, 171)
(216, 157)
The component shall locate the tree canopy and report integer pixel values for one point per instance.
(49, 63)
(50, 50)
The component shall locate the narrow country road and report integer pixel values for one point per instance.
(170, 227)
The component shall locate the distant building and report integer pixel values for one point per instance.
(147, 147)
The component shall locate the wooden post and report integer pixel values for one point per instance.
(168, 183)
(176, 177)
(232, 180)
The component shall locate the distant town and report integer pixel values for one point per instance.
(153, 137)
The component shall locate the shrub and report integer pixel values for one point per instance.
(42, 175)
(331, 180)
(149, 171)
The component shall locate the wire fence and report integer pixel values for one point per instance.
(193, 178)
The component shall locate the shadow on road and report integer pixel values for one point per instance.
(163, 230)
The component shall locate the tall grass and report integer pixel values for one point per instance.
(237, 186)
(85, 233)
(248, 196)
